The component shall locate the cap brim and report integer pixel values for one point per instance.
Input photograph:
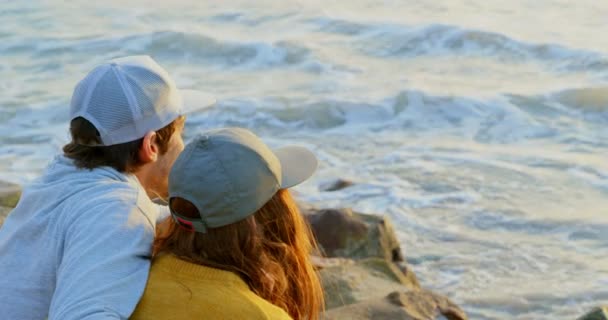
(195, 101)
(297, 165)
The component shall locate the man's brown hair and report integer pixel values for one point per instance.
(123, 157)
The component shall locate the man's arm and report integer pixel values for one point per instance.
(105, 265)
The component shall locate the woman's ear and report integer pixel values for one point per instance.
(148, 152)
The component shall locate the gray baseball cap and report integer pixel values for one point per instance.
(228, 174)
(125, 98)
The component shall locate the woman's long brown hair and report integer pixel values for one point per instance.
(270, 250)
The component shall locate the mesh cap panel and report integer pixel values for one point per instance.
(110, 107)
(82, 89)
(126, 98)
(149, 91)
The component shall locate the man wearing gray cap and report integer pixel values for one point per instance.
(77, 246)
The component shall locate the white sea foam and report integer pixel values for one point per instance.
(483, 136)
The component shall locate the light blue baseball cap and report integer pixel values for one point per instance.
(228, 174)
(127, 97)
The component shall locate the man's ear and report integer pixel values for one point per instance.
(148, 152)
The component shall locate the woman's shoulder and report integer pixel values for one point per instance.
(210, 292)
(259, 308)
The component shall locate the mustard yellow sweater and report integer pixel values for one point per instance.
(179, 289)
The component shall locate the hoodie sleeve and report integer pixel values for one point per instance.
(164, 213)
(105, 263)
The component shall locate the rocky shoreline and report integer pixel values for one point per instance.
(364, 271)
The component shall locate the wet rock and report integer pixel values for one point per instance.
(405, 305)
(350, 282)
(343, 233)
(600, 313)
(335, 185)
(9, 194)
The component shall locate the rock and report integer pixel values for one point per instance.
(407, 272)
(600, 313)
(335, 185)
(390, 269)
(426, 303)
(342, 233)
(378, 309)
(9, 194)
(351, 282)
(4, 211)
(406, 305)
(337, 232)
(323, 262)
(364, 273)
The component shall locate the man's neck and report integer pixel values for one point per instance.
(143, 176)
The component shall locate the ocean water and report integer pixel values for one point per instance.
(478, 126)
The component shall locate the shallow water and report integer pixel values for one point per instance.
(479, 127)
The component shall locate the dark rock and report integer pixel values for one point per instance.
(600, 313)
(9, 194)
(342, 233)
(405, 305)
(338, 233)
(336, 185)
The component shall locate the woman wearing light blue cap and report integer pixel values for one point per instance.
(236, 246)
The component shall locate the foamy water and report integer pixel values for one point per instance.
(479, 127)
